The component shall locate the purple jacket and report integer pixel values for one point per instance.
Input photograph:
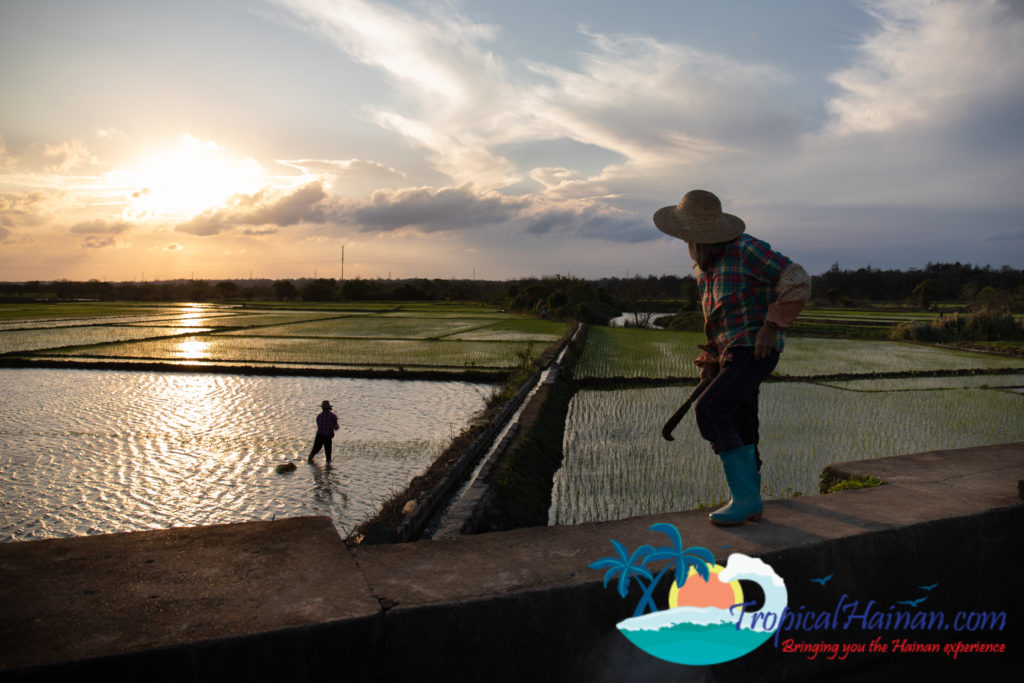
(326, 423)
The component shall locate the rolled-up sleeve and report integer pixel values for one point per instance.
(792, 292)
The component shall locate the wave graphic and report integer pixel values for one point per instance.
(692, 635)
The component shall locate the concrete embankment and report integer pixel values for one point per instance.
(288, 601)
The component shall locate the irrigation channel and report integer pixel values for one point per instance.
(458, 514)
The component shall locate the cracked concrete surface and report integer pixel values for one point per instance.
(288, 600)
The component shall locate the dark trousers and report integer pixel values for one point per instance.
(324, 441)
(727, 410)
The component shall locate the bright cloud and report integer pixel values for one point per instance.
(68, 156)
(25, 209)
(929, 59)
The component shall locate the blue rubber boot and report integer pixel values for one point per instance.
(745, 485)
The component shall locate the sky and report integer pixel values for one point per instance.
(216, 139)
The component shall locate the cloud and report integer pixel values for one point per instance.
(424, 210)
(265, 208)
(100, 227)
(24, 210)
(4, 234)
(1008, 235)
(173, 246)
(69, 155)
(687, 99)
(350, 176)
(655, 106)
(432, 209)
(466, 209)
(929, 60)
(95, 242)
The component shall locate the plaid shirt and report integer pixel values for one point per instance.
(326, 423)
(736, 291)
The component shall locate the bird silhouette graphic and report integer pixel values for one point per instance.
(823, 580)
(928, 588)
(912, 603)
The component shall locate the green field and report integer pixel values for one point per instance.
(379, 327)
(13, 341)
(617, 465)
(349, 352)
(635, 353)
(900, 398)
(629, 352)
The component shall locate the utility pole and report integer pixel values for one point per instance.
(343, 263)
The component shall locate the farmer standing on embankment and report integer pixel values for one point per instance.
(750, 295)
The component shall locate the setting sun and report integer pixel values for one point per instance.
(187, 178)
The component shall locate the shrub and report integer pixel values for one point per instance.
(984, 325)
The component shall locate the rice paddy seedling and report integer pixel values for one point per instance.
(922, 383)
(382, 352)
(63, 311)
(516, 329)
(261, 319)
(20, 341)
(378, 327)
(630, 352)
(804, 357)
(616, 464)
(434, 309)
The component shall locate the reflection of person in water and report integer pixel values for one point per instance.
(326, 425)
(329, 497)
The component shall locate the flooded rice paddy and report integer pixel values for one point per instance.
(616, 464)
(97, 451)
(86, 451)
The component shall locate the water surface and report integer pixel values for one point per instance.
(98, 451)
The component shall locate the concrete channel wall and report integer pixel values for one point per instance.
(288, 601)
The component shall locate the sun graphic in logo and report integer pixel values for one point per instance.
(697, 592)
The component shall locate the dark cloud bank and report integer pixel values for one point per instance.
(421, 209)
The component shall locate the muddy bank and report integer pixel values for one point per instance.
(406, 514)
(519, 484)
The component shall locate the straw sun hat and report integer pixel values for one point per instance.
(698, 218)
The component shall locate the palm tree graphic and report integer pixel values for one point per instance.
(626, 567)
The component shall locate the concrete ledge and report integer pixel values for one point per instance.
(286, 600)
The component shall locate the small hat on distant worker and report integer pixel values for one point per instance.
(698, 218)
(326, 405)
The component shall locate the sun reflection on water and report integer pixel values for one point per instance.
(193, 315)
(192, 349)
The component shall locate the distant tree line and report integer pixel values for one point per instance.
(559, 296)
(965, 283)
